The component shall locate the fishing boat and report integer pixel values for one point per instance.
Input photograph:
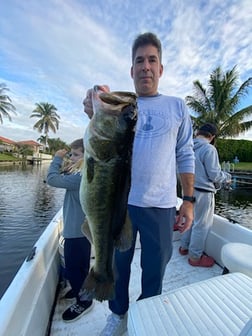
(33, 303)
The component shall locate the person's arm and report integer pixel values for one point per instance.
(56, 179)
(186, 166)
(185, 218)
(213, 167)
(87, 102)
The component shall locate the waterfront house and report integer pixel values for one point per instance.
(7, 145)
(33, 145)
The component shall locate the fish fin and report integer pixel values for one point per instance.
(86, 231)
(124, 241)
(97, 287)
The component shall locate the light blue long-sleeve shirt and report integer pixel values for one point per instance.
(163, 145)
(73, 216)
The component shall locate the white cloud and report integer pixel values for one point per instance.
(54, 50)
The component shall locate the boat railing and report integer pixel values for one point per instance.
(26, 305)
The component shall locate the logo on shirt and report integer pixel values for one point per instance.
(152, 124)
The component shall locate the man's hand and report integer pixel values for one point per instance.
(87, 102)
(185, 217)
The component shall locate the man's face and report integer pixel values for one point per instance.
(146, 70)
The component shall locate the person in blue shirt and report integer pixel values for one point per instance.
(163, 143)
(77, 249)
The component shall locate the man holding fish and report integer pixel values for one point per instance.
(162, 147)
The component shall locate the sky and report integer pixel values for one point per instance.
(55, 50)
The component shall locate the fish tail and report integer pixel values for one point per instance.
(98, 287)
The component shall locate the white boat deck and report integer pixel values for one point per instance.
(178, 273)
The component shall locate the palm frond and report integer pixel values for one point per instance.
(219, 102)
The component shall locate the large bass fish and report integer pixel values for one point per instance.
(105, 185)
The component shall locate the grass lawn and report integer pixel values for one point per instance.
(7, 157)
(247, 166)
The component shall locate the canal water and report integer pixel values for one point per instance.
(27, 205)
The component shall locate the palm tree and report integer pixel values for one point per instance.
(219, 103)
(49, 119)
(56, 144)
(43, 140)
(5, 103)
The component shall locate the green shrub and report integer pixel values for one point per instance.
(228, 149)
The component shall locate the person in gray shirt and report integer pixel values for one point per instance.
(208, 179)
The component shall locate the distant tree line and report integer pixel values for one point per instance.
(228, 149)
(56, 144)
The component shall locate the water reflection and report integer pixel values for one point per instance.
(27, 205)
(235, 204)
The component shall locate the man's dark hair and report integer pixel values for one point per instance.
(207, 130)
(146, 39)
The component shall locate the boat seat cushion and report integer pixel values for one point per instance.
(237, 257)
(220, 306)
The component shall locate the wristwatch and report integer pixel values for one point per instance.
(191, 199)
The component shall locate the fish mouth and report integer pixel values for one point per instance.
(120, 102)
(118, 97)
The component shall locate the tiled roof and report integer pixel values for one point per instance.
(8, 141)
(28, 142)
(24, 142)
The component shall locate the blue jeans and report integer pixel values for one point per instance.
(155, 227)
(77, 253)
